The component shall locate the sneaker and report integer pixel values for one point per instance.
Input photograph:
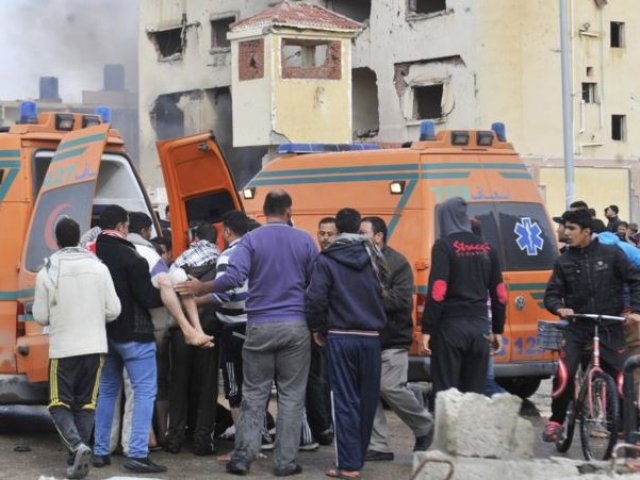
(143, 465)
(79, 468)
(287, 470)
(553, 432)
(100, 461)
(325, 437)
(423, 442)
(309, 447)
(267, 441)
(375, 456)
(237, 468)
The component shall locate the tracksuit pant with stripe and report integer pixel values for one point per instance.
(354, 362)
(73, 392)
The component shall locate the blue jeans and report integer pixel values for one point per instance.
(140, 361)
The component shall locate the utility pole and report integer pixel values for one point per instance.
(567, 106)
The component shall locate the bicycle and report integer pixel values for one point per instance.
(595, 404)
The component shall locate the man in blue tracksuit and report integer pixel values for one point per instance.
(345, 310)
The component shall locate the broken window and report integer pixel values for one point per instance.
(589, 71)
(617, 35)
(311, 59)
(251, 59)
(589, 92)
(167, 118)
(219, 29)
(168, 42)
(358, 10)
(427, 101)
(619, 127)
(422, 7)
(364, 94)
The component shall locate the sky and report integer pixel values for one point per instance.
(68, 39)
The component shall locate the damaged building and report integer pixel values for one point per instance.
(459, 63)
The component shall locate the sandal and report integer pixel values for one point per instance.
(343, 474)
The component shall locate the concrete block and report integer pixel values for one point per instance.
(473, 425)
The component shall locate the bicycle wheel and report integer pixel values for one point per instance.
(600, 417)
(564, 443)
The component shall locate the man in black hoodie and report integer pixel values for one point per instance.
(396, 338)
(345, 307)
(463, 269)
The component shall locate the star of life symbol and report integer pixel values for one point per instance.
(529, 236)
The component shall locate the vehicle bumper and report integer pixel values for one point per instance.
(17, 390)
(420, 367)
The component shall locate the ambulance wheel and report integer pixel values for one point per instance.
(522, 387)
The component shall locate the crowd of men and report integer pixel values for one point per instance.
(331, 328)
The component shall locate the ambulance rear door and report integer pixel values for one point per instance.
(199, 184)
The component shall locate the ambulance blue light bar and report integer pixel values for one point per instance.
(427, 130)
(324, 147)
(28, 112)
(104, 112)
(500, 130)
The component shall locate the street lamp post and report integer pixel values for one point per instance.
(567, 107)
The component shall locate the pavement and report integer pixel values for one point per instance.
(30, 449)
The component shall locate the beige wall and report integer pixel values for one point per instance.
(599, 187)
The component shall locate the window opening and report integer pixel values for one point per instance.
(219, 29)
(427, 6)
(618, 127)
(617, 35)
(427, 101)
(589, 92)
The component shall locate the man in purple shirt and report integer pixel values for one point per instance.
(277, 259)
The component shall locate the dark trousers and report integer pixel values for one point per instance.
(577, 337)
(460, 355)
(194, 374)
(354, 376)
(73, 392)
(317, 400)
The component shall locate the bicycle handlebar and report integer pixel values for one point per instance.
(594, 316)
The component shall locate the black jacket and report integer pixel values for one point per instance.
(591, 280)
(398, 332)
(130, 274)
(464, 268)
(344, 292)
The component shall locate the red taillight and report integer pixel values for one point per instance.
(20, 317)
(421, 301)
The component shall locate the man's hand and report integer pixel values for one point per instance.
(198, 339)
(319, 339)
(632, 318)
(426, 347)
(193, 286)
(564, 312)
(495, 343)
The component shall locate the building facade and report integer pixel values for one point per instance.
(460, 63)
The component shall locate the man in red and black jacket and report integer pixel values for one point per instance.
(464, 268)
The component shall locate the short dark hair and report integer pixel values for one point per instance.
(378, 225)
(327, 220)
(579, 205)
(614, 208)
(252, 224)
(67, 232)
(236, 221)
(582, 218)
(276, 203)
(348, 220)
(476, 226)
(592, 211)
(111, 216)
(165, 240)
(622, 222)
(166, 209)
(138, 221)
(206, 231)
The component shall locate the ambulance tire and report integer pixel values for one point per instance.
(523, 387)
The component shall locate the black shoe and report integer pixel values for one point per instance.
(79, 468)
(237, 469)
(100, 461)
(171, 448)
(325, 437)
(373, 456)
(287, 470)
(423, 442)
(204, 450)
(143, 465)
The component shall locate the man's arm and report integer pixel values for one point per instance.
(140, 280)
(399, 297)
(113, 306)
(438, 285)
(318, 297)
(41, 299)
(631, 276)
(555, 291)
(498, 294)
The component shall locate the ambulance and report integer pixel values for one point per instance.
(66, 164)
(405, 186)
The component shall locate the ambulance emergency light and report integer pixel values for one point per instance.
(28, 112)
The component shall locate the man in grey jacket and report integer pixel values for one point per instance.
(74, 298)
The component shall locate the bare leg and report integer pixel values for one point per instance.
(172, 302)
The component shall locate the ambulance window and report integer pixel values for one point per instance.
(41, 161)
(1, 175)
(527, 237)
(209, 208)
(483, 212)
